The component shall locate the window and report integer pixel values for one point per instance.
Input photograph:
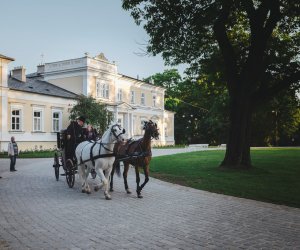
(143, 98)
(119, 95)
(106, 91)
(16, 119)
(37, 120)
(154, 100)
(132, 99)
(102, 89)
(56, 121)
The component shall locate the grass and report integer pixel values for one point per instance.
(274, 178)
(32, 154)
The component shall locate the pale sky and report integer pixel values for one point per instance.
(66, 29)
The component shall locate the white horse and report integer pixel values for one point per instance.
(98, 154)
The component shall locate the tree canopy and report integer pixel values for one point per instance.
(95, 112)
(264, 34)
(253, 45)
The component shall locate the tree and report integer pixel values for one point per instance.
(277, 122)
(257, 42)
(95, 113)
(171, 80)
(199, 117)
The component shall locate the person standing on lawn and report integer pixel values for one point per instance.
(12, 153)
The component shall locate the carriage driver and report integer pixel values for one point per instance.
(75, 135)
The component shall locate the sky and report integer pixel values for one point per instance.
(43, 31)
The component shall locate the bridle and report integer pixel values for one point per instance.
(113, 131)
(147, 124)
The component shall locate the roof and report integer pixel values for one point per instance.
(141, 81)
(37, 86)
(6, 57)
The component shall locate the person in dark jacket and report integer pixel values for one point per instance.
(12, 153)
(75, 135)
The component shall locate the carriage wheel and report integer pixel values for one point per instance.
(70, 173)
(56, 166)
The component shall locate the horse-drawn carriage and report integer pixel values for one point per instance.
(63, 158)
(100, 156)
(87, 157)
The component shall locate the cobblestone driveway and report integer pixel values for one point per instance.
(37, 212)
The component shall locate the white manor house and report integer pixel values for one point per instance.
(34, 107)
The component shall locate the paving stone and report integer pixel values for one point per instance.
(38, 212)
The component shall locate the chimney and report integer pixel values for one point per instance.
(19, 73)
(40, 69)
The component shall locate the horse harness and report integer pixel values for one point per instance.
(136, 154)
(102, 145)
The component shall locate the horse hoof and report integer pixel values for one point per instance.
(111, 189)
(96, 189)
(128, 191)
(107, 197)
(140, 196)
(88, 192)
(82, 191)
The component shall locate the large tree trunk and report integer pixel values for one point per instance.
(238, 145)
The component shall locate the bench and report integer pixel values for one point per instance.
(222, 146)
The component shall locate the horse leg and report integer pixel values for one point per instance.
(99, 186)
(81, 173)
(112, 179)
(87, 171)
(137, 176)
(146, 172)
(107, 176)
(104, 182)
(125, 173)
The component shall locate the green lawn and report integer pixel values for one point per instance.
(31, 154)
(274, 178)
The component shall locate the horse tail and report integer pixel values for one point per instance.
(117, 167)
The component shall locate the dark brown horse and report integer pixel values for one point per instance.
(136, 153)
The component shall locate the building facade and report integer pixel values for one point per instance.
(36, 106)
(31, 109)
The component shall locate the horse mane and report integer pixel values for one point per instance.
(106, 132)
